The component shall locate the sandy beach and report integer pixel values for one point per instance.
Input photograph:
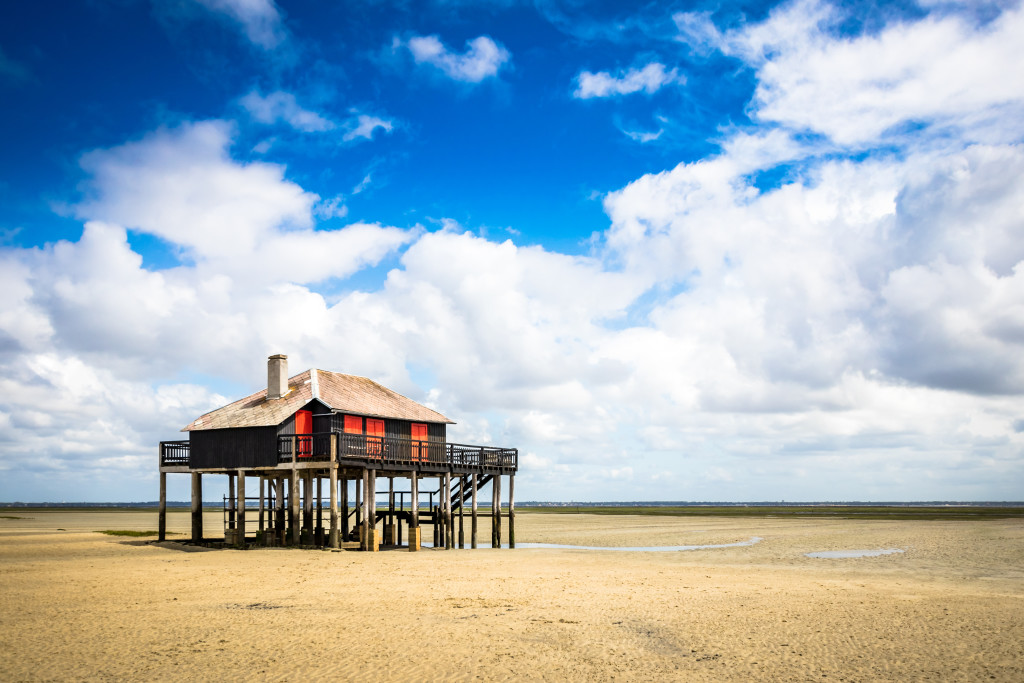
(79, 605)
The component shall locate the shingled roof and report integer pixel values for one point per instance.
(342, 393)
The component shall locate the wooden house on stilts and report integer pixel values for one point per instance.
(318, 428)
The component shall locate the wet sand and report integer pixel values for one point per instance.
(78, 605)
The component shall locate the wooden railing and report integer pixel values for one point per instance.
(174, 453)
(385, 449)
(397, 450)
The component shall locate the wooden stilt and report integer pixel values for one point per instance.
(231, 502)
(472, 527)
(365, 535)
(343, 485)
(399, 516)
(447, 502)
(307, 505)
(161, 526)
(263, 481)
(372, 512)
(197, 507)
(462, 497)
(496, 513)
(359, 504)
(435, 513)
(390, 536)
(240, 530)
(293, 497)
(334, 540)
(316, 502)
(511, 511)
(294, 519)
(414, 512)
(279, 525)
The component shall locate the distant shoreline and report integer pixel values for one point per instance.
(892, 511)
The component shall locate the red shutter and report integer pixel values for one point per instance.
(419, 435)
(353, 424)
(304, 425)
(374, 428)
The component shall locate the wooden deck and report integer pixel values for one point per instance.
(362, 451)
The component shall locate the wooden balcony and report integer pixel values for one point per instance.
(378, 452)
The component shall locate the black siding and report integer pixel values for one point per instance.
(240, 447)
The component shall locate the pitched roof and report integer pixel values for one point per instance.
(342, 393)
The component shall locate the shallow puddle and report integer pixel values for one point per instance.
(641, 549)
(630, 549)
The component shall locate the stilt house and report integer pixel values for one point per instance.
(322, 426)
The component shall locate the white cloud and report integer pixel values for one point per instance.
(483, 57)
(944, 71)
(363, 126)
(649, 80)
(282, 106)
(260, 19)
(642, 136)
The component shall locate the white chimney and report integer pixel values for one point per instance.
(277, 376)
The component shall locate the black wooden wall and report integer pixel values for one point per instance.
(239, 447)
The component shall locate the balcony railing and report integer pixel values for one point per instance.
(371, 449)
(174, 453)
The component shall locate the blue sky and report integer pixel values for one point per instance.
(700, 251)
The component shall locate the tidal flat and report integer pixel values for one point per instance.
(80, 605)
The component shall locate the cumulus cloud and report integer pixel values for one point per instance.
(243, 220)
(282, 106)
(649, 80)
(944, 72)
(260, 19)
(482, 59)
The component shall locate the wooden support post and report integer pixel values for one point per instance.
(294, 520)
(343, 485)
(472, 526)
(414, 513)
(389, 518)
(293, 497)
(231, 501)
(262, 526)
(414, 507)
(364, 534)
(317, 502)
(448, 511)
(462, 499)
(375, 540)
(334, 540)
(197, 507)
(161, 525)
(511, 511)
(435, 514)
(496, 513)
(307, 504)
(279, 525)
(359, 504)
(240, 530)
